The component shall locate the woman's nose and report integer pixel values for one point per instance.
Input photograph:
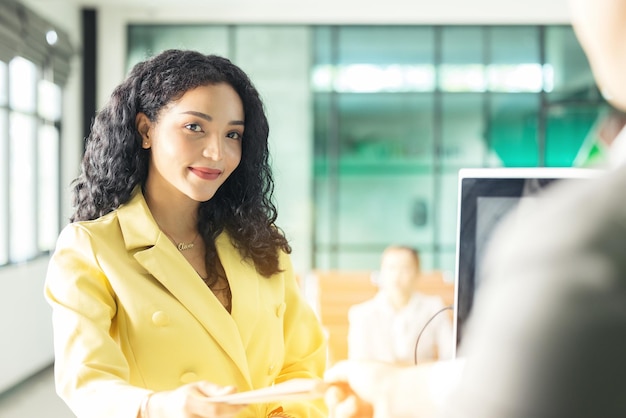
(213, 148)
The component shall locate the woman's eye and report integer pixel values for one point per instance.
(193, 127)
(234, 135)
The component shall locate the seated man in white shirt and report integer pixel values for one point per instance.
(399, 325)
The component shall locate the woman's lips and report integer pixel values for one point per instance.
(206, 173)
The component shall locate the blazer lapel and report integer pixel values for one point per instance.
(158, 255)
(244, 285)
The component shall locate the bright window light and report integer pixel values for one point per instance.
(49, 101)
(463, 78)
(548, 78)
(22, 84)
(369, 78)
(515, 78)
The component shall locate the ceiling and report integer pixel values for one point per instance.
(339, 11)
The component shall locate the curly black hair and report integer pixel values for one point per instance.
(114, 162)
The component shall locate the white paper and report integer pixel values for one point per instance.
(294, 389)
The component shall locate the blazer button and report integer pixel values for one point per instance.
(280, 310)
(189, 377)
(160, 319)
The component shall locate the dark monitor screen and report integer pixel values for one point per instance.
(486, 195)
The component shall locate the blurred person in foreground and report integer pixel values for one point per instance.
(547, 336)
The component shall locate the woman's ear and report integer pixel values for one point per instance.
(143, 125)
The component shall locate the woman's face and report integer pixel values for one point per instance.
(195, 143)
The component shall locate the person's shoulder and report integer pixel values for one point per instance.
(364, 305)
(87, 230)
(360, 309)
(571, 213)
(103, 223)
(599, 195)
(425, 302)
(574, 226)
(425, 298)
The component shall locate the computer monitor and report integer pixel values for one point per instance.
(486, 195)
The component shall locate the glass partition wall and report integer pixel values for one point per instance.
(398, 111)
(389, 114)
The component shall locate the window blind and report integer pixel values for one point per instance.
(23, 33)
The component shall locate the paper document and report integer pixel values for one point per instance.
(290, 390)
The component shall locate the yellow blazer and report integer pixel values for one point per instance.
(131, 316)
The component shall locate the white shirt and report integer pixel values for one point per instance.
(380, 332)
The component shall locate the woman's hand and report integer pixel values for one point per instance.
(190, 401)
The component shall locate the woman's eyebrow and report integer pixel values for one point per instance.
(198, 114)
(209, 118)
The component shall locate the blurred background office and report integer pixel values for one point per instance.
(373, 108)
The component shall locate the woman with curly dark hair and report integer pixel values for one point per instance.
(172, 284)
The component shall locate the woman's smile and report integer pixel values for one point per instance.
(206, 173)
